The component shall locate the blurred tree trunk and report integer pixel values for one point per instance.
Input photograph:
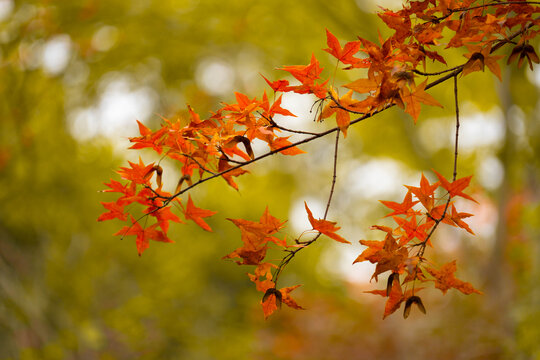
(499, 281)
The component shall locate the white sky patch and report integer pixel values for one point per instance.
(85, 124)
(477, 130)
(533, 75)
(481, 129)
(56, 54)
(338, 262)
(434, 134)
(6, 7)
(377, 178)
(490, 172)
(215, 76)
(115, 112)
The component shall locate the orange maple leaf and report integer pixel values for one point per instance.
(404, 207)
(387, 254)
(346, 54)
(306, 74)
(456, 188)
(456, 218)
(138, 173)
(445, 279)
(414, 97)
(273, 298)
(148, 138)
(395, 297)
(196, 214)
(425, 193)
(478, 59)
(116, 211)
(281, 142)
(143, 236)
(325, 227)
(163, 216)
(278, 85)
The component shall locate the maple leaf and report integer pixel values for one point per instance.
(116, 186)
(456, 218)
(138, 173)
(287, 299)
(325, 227)
(255, 236)
(371, 253)
(143, 236)
(273, 298)
(425, 193)
(278, 85)
(445, 279)
(415, 97)
(364, 86)
(264, 271)
(390, 257)
(395, 298)
(281, 142)
(196, 214)
(478, 59)
(412, 229)
(223, 165)
(387, 254)
(404, 207)
(456, 187)
(163, 216)
(401, 24)
(116, 211)
(271, 223)
(148, 138)
(306, 74)
(345, 55)
(249, 255)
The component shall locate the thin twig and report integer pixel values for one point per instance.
(423, 244)
(437, 72)
(291, 253)
(334, 176)
(463, 9)
(454, 174)
(277, 126)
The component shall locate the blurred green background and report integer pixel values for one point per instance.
(75, 76)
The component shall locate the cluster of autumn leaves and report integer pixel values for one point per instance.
(402, 250)
(221, 145)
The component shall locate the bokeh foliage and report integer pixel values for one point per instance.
(69, 289)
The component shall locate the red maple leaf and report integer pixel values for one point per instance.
(404, 207)
(196, 214)
(143, 236)
(445, 279)
(456, 188)
(325, 227)
(116, 211)
(346, 54)
(425, 193)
